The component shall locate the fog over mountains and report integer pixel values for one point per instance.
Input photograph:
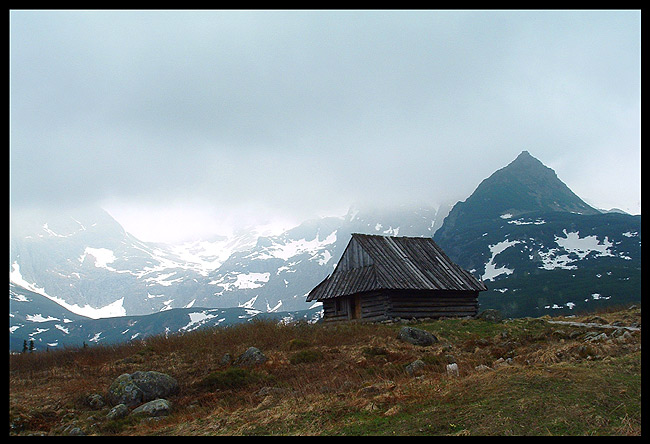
(538, 246)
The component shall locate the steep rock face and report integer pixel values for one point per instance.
(539, 246)
(525, 185)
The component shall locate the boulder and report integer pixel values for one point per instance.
(416, 336)
(124, 391)
(139, 387)
(155, 384)
(225, 359)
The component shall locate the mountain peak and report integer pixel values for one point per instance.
(524, 185)
(525, 155)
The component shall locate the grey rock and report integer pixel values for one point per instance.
(124, 391)
(76, 431)
(415, 367)
(598, 338)
(416, 336)
(157, 407)
(490, 315)
(452, 369)
(133, 389)
(117, 412)
(96, 401)
(155, 384)
(250, 358)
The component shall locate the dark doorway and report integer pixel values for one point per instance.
(355, 307)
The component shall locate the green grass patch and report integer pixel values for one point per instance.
(595, 398)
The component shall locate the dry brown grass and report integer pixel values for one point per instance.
(341, 379)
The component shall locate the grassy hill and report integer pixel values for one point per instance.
(528, 376)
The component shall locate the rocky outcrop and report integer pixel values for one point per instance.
(138, 387)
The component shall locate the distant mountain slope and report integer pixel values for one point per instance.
(539, 246)
(35, 317)
(88, 263)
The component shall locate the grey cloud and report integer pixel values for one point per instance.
(316, 107)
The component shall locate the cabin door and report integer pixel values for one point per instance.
(355, 307)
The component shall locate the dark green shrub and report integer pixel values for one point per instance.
(305, 356)
(231, 378)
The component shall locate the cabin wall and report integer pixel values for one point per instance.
(432, 304)
(370, 306)
(382, 305)
(334, 310)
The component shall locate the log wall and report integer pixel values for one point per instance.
(433, 304)
(382, 305)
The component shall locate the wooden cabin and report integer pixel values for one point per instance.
(387, 277)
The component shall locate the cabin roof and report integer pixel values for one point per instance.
(397, 263)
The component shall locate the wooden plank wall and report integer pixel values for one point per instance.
(374, 307)
(354, 257)
(434, 304)
(382, 305)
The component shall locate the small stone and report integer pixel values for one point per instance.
(117, 412)
(76, 431)
(157, 407)
(452, 370)
(250, 358)
(96, 401)
(394, 410)
(482, 368)
(415, 367)
(490, 315)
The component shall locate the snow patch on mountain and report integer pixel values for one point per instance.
(113, 309)
(242, 281)
(521, 221)
(579, 247)
(40, 318)
(103, 257)
(198, 319)
(491, 270)
(161, 279)
(573, 243)
(287, 250)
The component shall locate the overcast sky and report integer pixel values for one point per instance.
(204, 119)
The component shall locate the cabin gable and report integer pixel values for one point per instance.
(354, 256)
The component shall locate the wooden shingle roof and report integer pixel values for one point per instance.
(372, 262)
